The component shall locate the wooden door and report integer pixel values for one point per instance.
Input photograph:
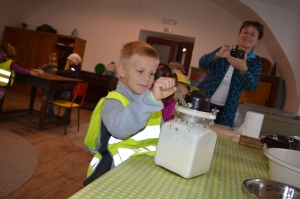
(173, 51)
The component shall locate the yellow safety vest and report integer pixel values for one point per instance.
(143, 142)
(6, 74)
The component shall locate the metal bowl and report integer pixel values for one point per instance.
(266, 189)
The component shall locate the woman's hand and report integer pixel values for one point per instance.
(164, 87)
(239, 64)
(225, 50)
(34, 73)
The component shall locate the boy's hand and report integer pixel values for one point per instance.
(164, 87)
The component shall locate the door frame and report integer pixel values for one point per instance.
(183, 42)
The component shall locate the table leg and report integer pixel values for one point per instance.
(1, 105)
(32, 98)
(43, 112)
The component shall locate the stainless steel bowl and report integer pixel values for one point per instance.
(267, 189)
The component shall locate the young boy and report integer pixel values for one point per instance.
(127, 122)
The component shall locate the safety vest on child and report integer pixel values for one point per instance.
(143, 142)
(6, 74)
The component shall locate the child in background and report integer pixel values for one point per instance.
(8, 68)
(184, 87)
(169, 102)
(127, 121)
(177, 68)
(111, 69)
(73, 68)
(48, 68)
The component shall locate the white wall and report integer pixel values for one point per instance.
(14, 12)
(107, 25)
(285, 25)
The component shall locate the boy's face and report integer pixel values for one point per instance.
(139, 75)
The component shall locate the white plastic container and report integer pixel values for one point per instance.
(186, 144)
(284, 165)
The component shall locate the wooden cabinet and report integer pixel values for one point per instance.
(46, 43)
(34, 48)
(265, 95)
(99, 85)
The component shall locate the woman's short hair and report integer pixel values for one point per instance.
(256, 24)
(133, 48)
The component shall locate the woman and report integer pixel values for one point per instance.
(229, 75)
(73, 71)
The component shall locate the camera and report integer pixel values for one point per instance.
(238, 53)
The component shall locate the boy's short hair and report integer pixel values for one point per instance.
(136, 48)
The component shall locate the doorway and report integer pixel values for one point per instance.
(170, 47)
(173, 51)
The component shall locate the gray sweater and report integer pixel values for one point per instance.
(123, 122)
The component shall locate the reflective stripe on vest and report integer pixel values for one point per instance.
(5, 72)
(92, 138)
(146, 140)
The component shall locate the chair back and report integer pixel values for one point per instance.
(79, 91)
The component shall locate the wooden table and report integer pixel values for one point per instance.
(46, 81)
(140, 177)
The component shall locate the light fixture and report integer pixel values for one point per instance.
(169, 22)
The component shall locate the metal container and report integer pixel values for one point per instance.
(267, 189)
(276, 141)
(296, 142)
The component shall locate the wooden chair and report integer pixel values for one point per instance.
(78, 92)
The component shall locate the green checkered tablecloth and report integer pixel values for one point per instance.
(140, 177)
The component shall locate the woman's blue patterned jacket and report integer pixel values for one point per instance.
(217, 69)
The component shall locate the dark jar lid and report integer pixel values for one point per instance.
(198, 101)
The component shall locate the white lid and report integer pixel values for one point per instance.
(195, 113)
